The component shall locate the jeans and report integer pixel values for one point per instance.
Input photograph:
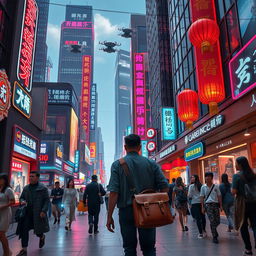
(27, 226)
(250, 213)
(93, 218)
(229, 212)
(196, 211)
(147, 237)
(213, 213)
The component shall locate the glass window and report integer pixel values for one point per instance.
(228, 4)
(224, 41)
(220, 9)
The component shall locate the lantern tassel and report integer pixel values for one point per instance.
(213, 108)
(205, 46)
(189, 125)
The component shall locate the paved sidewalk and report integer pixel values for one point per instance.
(170, 241)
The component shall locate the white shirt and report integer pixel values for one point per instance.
(213, 198)
(194, 194)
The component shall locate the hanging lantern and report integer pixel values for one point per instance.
(203, 33)
(188, 110)
(166, 166)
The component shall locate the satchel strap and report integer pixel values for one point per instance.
(209, 193)
(128, 175)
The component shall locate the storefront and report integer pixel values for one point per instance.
(23, 160)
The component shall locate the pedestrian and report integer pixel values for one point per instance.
(244, 187)
(56, 195)
(50, 204)
(70, 201)
(146, 175)
(180, 200)
(36, 198)
(196, 208)
(171, 187)
(92, 198)
(227, 201)
(7, 199)
(211, 204)
(81, 208)
(107, 197)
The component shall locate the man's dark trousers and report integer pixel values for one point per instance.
(147, 237)
(93, 216)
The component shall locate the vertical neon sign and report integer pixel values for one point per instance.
(139, 95)
(85, 95)
(27, 44)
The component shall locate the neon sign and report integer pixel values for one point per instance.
(77, 25)
(85, 95)
(5, 95)
(169, 130)
(93, 107)
(139, 95)
(27, 44)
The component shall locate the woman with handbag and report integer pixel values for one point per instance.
(179, 196)
(244, 187)
(227, 201)
(69, 200)
(7, 199)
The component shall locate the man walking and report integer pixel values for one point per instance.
(56, 195)
(35, 197)
(171, 187)
(211, 204)
(146, 175)
(92, 196)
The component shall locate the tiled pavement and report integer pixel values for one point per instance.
(170, 241)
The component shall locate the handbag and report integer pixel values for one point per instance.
(20, 213)
(150, 209)
(101, 197)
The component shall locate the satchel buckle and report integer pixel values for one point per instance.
(146, 206)
(161, 206)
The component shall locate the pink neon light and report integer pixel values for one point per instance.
(77, 25)
(71, 42)
(230, 72)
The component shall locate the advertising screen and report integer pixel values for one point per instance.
(73, 135)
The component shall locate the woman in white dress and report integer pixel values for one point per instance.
(70, 199)
(7, 198)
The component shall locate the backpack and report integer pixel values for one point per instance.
(181, 196)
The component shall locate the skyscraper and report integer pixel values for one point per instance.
(122, 98)
(77, 37)
(41, 46)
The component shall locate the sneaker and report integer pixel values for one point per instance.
(247, 253)
(22, 253)
(90, 229)
(186, 228)
(200, 236)
(55, 221)
(215, 240)
(42, 242)
(96, 232)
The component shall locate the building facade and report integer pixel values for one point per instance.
(215, 141)
(123, 90)
(77, 40)
(41, 46)
(160, 72)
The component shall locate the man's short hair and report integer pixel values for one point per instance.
(94, 177)
(132, 141)
(173, 180)
(57, 183)
(36, 173)
(208, 174)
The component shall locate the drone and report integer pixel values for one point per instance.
(109, 46)
(76, 48)
(126, 32)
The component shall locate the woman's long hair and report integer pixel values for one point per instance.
(179, 182)
(69, 183)
(197, 182)
(248, 173)
(6, 182)
(224, 179)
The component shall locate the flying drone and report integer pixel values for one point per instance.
(126, 32)
(109, 46)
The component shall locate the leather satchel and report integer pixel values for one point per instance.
(150, 209)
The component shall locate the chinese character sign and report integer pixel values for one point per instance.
(77, 25)
(22, 100)
(59, 96)
(93, 107)
(77, 161)
(93, 150)
(242, 70)
(140, 123)
(5, 95)
(169, 129)
(86, 94)
(27, 45)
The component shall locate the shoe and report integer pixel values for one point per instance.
(66, 227)
(58, 221)
(215, 240)
(96, 232)
(22, 253)
(247, 253)
(200, 236)
(55, 221)
(90, 229)
(186, 228)
(42, 242)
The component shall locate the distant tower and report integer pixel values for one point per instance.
(49, 66)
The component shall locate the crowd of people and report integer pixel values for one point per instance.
(237, 200)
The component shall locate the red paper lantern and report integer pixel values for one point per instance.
(203, 33)
(166, 166)
(188, 110)
(179, 162)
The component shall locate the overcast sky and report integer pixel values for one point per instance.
(106, 28)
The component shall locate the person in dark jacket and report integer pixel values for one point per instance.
(36, 198)
(92, 196)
